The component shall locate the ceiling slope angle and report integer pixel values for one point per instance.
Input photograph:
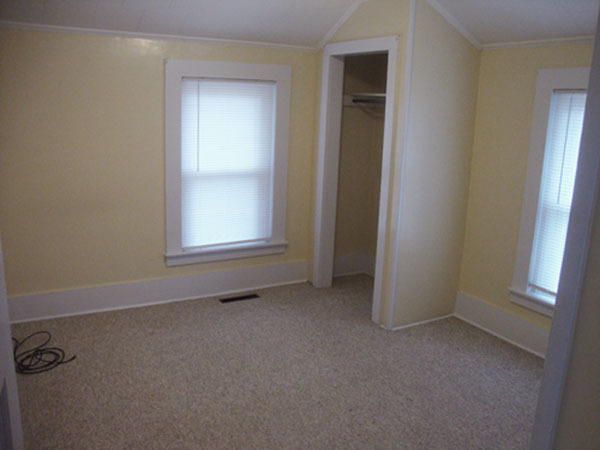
(293, 23)
(497, 23)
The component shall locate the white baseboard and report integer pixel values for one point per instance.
(24, 308)
(502, 324)
(422, 322)
(354, 264)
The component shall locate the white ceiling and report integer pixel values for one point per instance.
(493, 22)
(291, 22)
(301, 23)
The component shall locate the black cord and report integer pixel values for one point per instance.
(38, 359)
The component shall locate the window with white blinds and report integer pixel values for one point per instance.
(558, 116)
(556, 190)
(227, 138)
(226, 132)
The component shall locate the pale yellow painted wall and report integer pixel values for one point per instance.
(378, 18)
(360, 160)
(498, 169)
(375, 18)
(82, 156)
(436, 175)
(358, 185)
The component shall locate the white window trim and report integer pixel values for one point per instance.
(175, 70)
(548, 80)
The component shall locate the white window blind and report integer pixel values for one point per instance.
(227, 153)
(556, 191)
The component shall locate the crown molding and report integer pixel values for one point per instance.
(455, 23)
(341, 21)
(497, 45)
(136, 34)
(568, 40)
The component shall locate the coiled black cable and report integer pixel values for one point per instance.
(38, 359)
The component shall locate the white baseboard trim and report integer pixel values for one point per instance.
(354, 264)
(422, 322)
(25, 308)
(504, 325)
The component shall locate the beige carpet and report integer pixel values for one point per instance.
(297, 368)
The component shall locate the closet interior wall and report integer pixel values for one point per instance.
(360, 167)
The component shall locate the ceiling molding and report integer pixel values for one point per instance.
(136, 34)
(341, 21)
(568, 40)
(455, 23)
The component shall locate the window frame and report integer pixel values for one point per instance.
(548, 80)
(175, 71)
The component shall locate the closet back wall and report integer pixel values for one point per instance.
(82, 156)
(360, 167)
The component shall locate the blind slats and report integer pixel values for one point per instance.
(556, 190)
(227, 140)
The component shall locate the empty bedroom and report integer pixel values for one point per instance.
(275, 224)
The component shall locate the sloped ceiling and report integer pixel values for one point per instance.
(303, 23)
(288, 22)
(494, 22)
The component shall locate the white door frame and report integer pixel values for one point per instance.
(328, 157)
(8, 376)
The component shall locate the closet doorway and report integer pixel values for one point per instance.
(355, 140)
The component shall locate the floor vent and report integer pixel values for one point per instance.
(238, 298)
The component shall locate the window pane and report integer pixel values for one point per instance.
(226, 161)
(556, 190)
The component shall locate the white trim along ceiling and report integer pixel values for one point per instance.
(283, 23)
(306, 25)
(510, 23)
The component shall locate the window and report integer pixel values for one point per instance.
(226, 133)
(555, 138)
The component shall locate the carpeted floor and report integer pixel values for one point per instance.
(297, 368)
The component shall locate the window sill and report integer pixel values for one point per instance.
(192, 257)
(532, 302)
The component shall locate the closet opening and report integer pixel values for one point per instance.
(354, 161)
(359, 173)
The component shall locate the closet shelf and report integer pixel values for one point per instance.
(364, 98)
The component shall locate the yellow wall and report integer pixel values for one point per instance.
(375, 18)
(82, 156)
(498, 168)
(360, 160)
(436, 172)
(358, 185)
